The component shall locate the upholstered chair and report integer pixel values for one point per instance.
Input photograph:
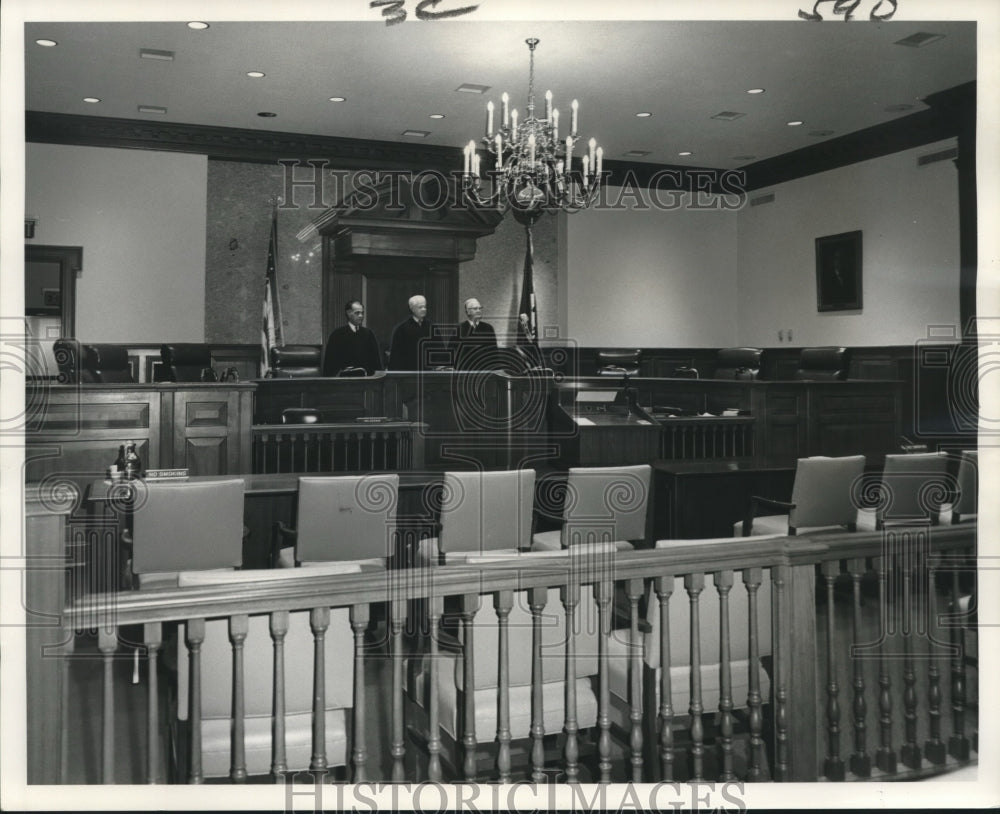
(618, 362)
(823, 364)
(185, 361)
(294, 361)
(913, 488)
(826, 494)
(738, 363)
(107, 364)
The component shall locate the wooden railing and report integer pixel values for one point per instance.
(784, 736)
(344, 447)
(707, 439)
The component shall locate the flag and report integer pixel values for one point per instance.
(527, 314)
(270, 330)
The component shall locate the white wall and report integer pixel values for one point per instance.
(650, 277)
(909, 219)
(140, 218)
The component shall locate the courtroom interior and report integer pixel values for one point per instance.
(385, 433)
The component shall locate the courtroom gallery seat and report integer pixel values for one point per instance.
(601, 504)
(966, 504)
(295, 361)
(258, 681)
(107, 364)
(822, 364)
(738, 363)
(68, 354)
(340, 518)
(825, 497)
(912, 490)
(185, 362)
(186, 526)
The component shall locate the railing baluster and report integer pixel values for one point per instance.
(910, 751)
(885, 756)
(360, 615)
(239, 625)
(958, 743)
(470, 605)
(664, 590)
(694, 584)
(195, 636)
(779, 582)
(570, 595)
(152, 635)
(319, 621)
(278, 626)
(833, 766)
(503, 601)
(861, 764)
(603, 591)
(398, 749)
(537, 597)
(752, 578)
(724, 584)
(634, 591)
(107, 642)
(435, 606)
(934, 747)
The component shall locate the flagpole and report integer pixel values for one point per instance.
(279, 331)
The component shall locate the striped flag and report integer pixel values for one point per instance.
(270, 330)
(527, 315)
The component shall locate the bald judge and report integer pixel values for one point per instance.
(352, 346)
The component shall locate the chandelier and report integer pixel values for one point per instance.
(532, 165)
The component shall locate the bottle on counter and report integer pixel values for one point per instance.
(133, 466)
(117, 469)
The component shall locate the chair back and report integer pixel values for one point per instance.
(69, 360)
(107, 364)
(966, 501)
(606, 504)
(350, 517)
(913, 486)
(300, 415)
(618, 362)
(823, 364)
(483, 511)
(738, 363)
(187, 526)
(185, 361)
(294, 361)
(825, 491)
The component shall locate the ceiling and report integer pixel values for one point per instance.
(836, 78)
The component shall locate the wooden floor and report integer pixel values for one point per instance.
(85, 693)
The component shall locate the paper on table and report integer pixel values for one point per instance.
(584, 422)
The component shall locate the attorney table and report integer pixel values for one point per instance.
(703, 499)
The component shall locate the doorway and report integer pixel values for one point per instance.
(50, 296)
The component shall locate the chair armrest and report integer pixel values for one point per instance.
(448, 643)
(756, 501)
(283, 536)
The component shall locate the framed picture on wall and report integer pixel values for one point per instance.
(838, 272)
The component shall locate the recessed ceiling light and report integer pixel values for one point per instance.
(643, 115)
(46, 43)
(436, 116)
(468, 87)
(728, 115)
(266, 114)
(793, 124)
(93, 100)
(417, 133)
(337, 99)
(151, 109)
(920, 39)
(897, 108)
(685, 152)
(755, 90)
(197, 25)
(156, 53)
(256, 74)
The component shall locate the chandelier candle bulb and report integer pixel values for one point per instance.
(590, 151)
(531, 148)
(600, 161)
(475, 164)
(548, 104)
(489, 118)
(504, 112)
(555, 125)
(465, 160)
(569, 152)
(586, 171)
(572, 119)
(499, 146)
(513, 124)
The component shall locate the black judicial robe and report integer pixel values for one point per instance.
(476, 347)
(349, 348)
(404, 349)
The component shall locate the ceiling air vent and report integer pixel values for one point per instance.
(636, 153)
(941, 155)
(762, 199)
(728, 115)
(919, 40)
(468, 87)
(152, 109)
(153, 53)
